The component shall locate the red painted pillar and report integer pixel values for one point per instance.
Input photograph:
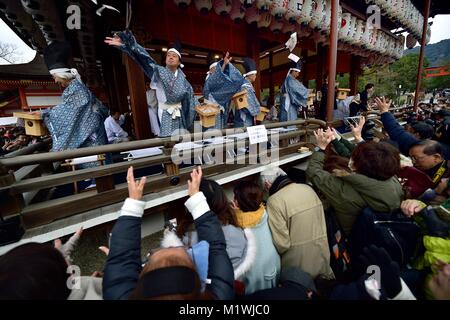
(422, 51)
(332, 59)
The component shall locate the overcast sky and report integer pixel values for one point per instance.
(439, 30)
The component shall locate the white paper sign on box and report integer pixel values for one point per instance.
(257, 134)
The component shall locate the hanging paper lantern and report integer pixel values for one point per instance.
(306, 12)
(247, 3)
(358, 32)
(182, 3)
(263, 5)
(345, 24)
(265, 20)
(428, 35)
(326, 20)
(279, 8)
(204, 6)
(293, 10)
(288, 28)
(237, 12)
(222, 7)
(410, 41)
(317, 13)
(276, 26)
(252, 15)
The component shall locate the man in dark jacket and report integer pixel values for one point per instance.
(429, 156)
(397, 133)
(365, 95)
(169, 272)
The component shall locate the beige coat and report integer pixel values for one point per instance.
(299, 232)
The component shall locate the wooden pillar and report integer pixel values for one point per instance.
(354, 74)
(304, 75)
(271, 86)
(332, 59)
(426, 13)
(23, 98)
(320, 66)
(253, 52)
(108, 70)
(138, 99)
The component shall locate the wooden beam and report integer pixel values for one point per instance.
(138, 99)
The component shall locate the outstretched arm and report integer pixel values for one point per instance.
(126, 42)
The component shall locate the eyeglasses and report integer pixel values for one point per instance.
(414, 158)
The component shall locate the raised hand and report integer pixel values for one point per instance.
(322, 139)
(357, 130)
(383, 104)
(135, 188)
(194, 183)
(226, 60)
(115, 41)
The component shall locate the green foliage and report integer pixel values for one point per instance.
(436, 53)
(387, 78)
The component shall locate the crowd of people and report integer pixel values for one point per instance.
(368, 203)
(374, 202)
(14, 139)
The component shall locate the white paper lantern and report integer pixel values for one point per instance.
(247, 3)
(428, 35)
(344, 26)
(326, 20)
(293, 11)
(279, 8)
(276, 26)
(306, 12)
(358, 32)
(265, 20)
(237, 12)
(222, 7)
(204, 6)
(263, 5)
(182, 3)
(317, 14)
(252, 15)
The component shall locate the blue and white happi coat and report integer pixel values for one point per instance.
(294, 96)
(245, 117)
(175, 86)
(78, 121)
(220, 87)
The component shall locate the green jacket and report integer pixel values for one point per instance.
(350, 194)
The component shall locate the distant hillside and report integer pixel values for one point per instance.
(437, 53)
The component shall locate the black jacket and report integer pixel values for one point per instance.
(123, 266)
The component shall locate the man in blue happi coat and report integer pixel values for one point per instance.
(294, 93)
(245, 117)
(78, 121)
(176, 102)
(222, 82)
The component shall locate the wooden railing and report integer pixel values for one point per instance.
(23, 174)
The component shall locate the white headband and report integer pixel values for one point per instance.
(175, 50)
(294, 69)
(213, 65)
(65, 73)
(250, 73)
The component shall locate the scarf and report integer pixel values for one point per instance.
(249, 219)
(279, 183)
